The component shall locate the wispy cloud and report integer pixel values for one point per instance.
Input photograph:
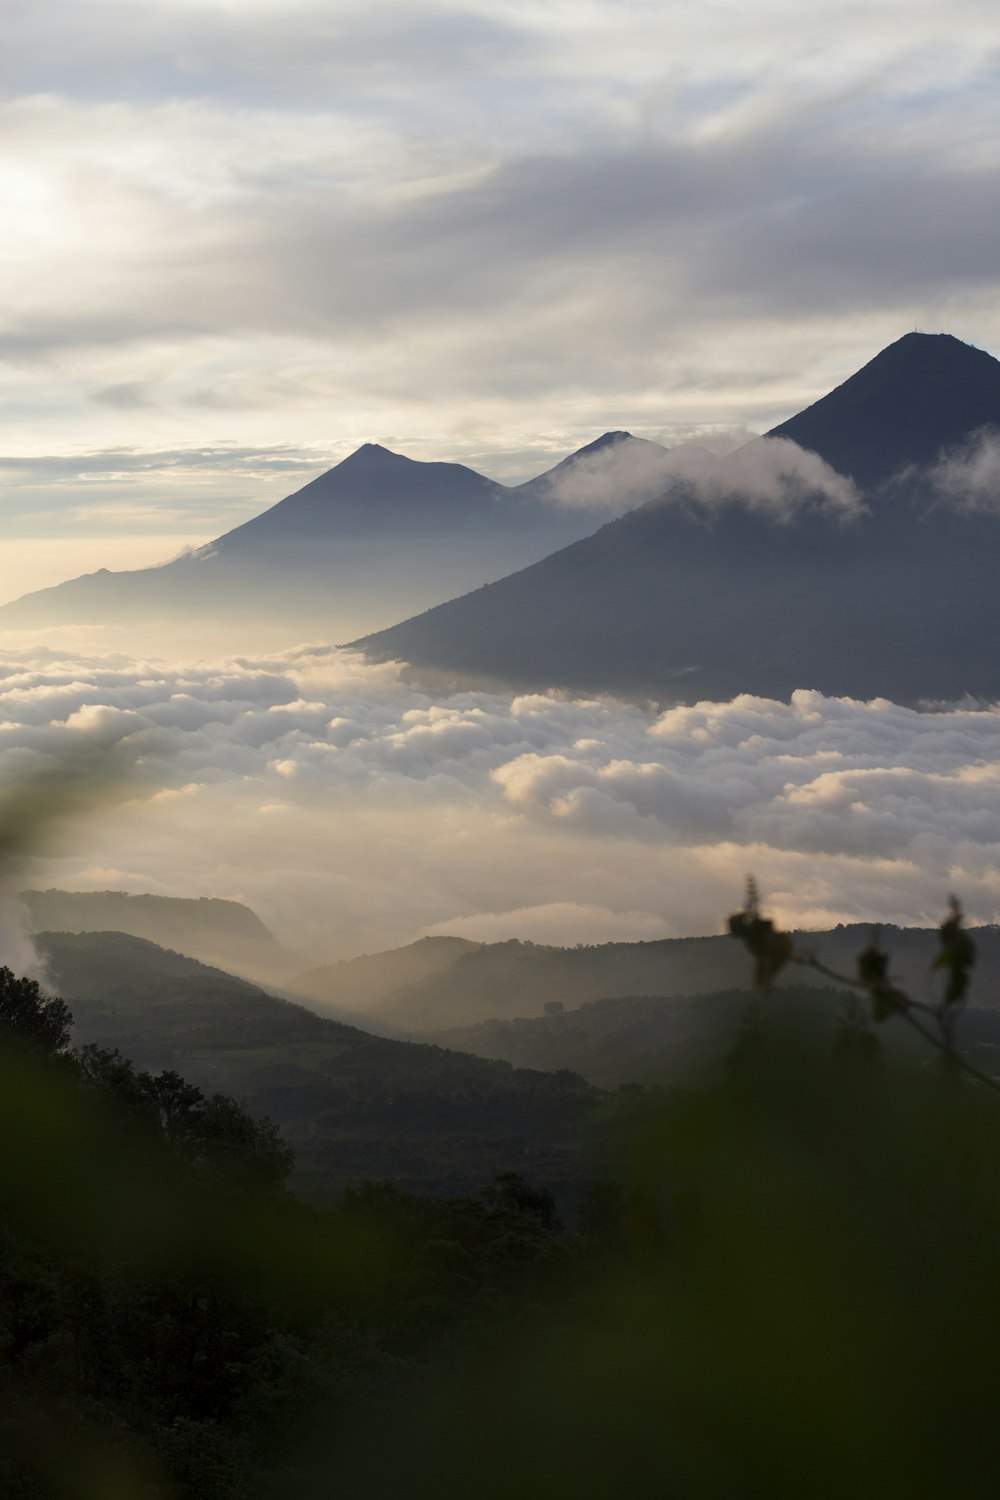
(968, 477)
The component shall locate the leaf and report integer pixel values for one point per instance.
(957, 955)
(873, 973)
(770, 949)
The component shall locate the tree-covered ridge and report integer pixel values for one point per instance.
(513, 979)
(351, 1105)
(171, 1320)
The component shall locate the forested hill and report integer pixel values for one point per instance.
(660, 1039)
(352, 1106)
(224, 933)
(510, 979)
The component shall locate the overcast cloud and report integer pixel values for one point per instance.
(354, 812)
(467, 230)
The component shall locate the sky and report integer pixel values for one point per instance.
(240, 239)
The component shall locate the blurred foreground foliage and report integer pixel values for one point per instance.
(790, 1286)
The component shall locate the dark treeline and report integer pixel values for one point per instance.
(798, 1264)
(171, 1317)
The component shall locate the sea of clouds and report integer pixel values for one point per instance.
(353, 810)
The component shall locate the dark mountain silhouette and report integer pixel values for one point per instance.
(923, 393)
(375, 535)
(709, 593)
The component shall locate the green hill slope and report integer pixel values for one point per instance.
(351, 1105)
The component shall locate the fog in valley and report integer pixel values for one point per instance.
(354, 811)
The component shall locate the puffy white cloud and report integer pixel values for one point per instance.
(355, 811)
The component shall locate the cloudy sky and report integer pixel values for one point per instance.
(242, 238)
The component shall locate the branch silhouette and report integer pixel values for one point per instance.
(772, 949)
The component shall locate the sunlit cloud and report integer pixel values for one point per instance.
(354, 811)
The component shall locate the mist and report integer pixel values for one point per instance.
(354, 811)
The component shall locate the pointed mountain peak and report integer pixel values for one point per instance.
(373, 456)
(606, 440)
(612, 474)
(925, 392)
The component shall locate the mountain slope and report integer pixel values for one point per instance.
(692, 597)
(222, 933)
(504, 981)
(659, 1039)
(925, 392)
(365, 984)
(351, 1105)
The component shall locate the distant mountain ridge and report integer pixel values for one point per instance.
(706, 595)
(224, 934)
(507, 980)
(375, 535)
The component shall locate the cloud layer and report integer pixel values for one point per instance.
(354, 812)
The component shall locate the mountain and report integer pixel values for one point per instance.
(773, 573)
(374, 535)
(364, 985)
(662, 1039)
(640, 1038)
(615, 467)
(222, 933)
(925, 392)
(492, 982)
(352, 1106)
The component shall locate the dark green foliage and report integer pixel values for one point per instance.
(807, 1305)
(771, 949)
(793, 1265)
(31, 1020)
(957, 956)
(873, 974)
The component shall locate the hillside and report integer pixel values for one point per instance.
(351, 1105)
(225, 934)
(366, 983)
(659, 1039)
(515, 979)
(638, 1039)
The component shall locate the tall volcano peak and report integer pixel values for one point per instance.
(923, 393)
